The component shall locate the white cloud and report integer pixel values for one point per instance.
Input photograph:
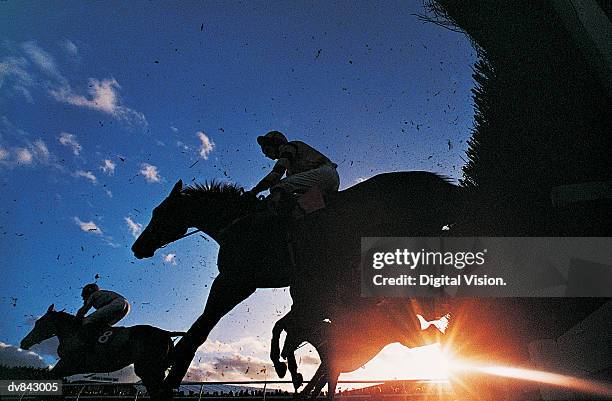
(13, 356)
(150, 173)
(70, 140)
(182, 145)
(170, 258)
(27, 153)
(207, 145)
(104, 97)
(34, 153)
(41, 151)
(14, 70)
(135, 228)
(25, 93)
(14, 76)
(42, 60)
(109, 193)
(31, 67)
(250, 344)
(174, 129)
(87, 226)
(108, 167)
(86, 174)
(226, 368)
(24, 156)
(70, 47)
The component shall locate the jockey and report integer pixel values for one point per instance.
(303, 166)
(110, 308)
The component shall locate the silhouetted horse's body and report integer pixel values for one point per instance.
(320, 262)
(350, 340)
(148, 348)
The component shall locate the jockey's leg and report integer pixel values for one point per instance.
(225, 294)
(326, 177)
(120, 309)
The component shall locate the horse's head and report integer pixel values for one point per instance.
(44, 328)
(167, 225)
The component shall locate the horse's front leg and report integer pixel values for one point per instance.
(225, 294)
(296, 377)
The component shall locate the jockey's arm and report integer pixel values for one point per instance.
(273, 177)
(85, 308)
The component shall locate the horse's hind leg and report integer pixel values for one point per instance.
(320, 375)
(332, 382)
(296, 378)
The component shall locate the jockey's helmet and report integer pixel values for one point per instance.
(272, 138)
(89, 289)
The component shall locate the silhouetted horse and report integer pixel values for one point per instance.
(351, 340)
(315, 255)
(148, 348)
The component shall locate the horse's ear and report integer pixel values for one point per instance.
(178, 187)
(51, 308)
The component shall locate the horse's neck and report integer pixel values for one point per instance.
(67, 327)
(226, 216)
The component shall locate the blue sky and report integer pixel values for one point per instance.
(104, 105)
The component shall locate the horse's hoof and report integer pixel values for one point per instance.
(298, 380)
(280, 368)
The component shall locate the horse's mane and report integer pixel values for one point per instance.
(65, 316)
(219, 190)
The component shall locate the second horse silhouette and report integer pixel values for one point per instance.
(352, 340)
(148, 348)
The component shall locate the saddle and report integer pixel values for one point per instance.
(296, 206)
(311, 201)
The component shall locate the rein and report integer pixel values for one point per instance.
(197, 231)
(188, 234)
(181, 237)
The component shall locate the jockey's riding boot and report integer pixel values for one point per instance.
(273, 202)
